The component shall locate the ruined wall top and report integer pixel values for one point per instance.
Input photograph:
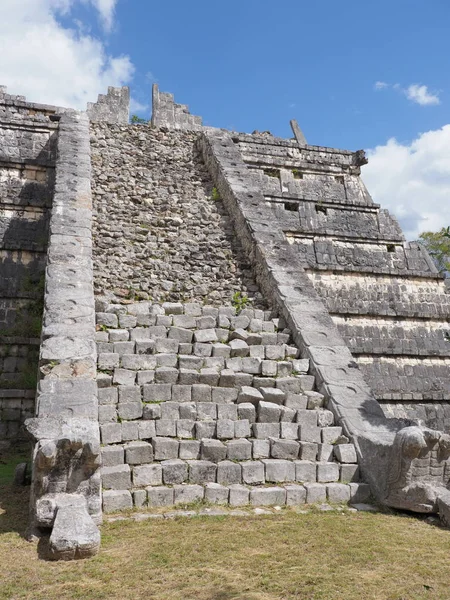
(167, 113)
(113, 107)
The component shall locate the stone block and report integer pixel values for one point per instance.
(182, 393)
(122, 348)
(205, 335)
(269, 368)
(239, 450)
(239, 348)
(273, 395)
(253, 472)
(284, 449)
(289, 385)
(277, 471)
(216, 493)
(257, 352)
(130, 410)
(227, 411)
(166, 360)
(129, 393)
(181, 334)
(242, 429)
(225, 429)
(315, 400)
(170, 411)
(202, 471)
(164, 448)
(289, 431)
(188, 377)
(166, 428)
(224, 395)
(186, 494)
(108, 360)
(201, 393)
(310, 433)
(325, 418)
(305, 470)
(301, 365)
(284, 369)
(275, 352)
(166, 375)
(117, 500)
(144, 346)
(130, 430)
(159, 496)
(345, 453)
(144, 377)
(327, 472)
(138, 362)
(269, 496)
(349, 473)
(295, 495)
(185, 428)
(296, 401)
(107, 396)
(174, 471)
(139, 498)
(157, 392)
(308, 451)
(207, 411)
(315, 493)
(261, 448)
(247, 411)
(325, 452)
(267, 412)
(205, 429)
(124, 377)
(188, 410)
(338, 492)
(266, 430)
(251, 365)
(166, 345)
(111, 433)
(229, 472)
(138, 453)
(213, 450)
(189, 449)
(112, 456)
(119, 335)
(202, 350)
(360, 492)
(208, 376)
(107, 414)
(331, 434)
(116, 478)
(307, 382)
(146, 430)
(151, 411)
(144, 475)
(239, 495)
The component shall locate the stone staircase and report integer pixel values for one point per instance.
(198, 403)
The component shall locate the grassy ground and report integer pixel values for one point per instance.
(314, 556)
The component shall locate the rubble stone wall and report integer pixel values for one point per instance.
(160, 230)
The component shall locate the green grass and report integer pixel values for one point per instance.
(313, 556)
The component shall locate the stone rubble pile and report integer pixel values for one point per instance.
(200, 403)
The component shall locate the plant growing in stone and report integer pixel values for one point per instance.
(215, 194)
(240, 301)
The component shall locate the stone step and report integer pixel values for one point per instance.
(291, 494)
(215, 468)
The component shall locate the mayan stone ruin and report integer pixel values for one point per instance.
(191, 314)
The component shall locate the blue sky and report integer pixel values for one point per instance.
(254, 64)
(370, 75)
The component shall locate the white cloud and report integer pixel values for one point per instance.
(416, 93)
(413, 181)
(46, 62)
(106, 10)
(138, 107)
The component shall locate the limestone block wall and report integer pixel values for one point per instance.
(197, 402)
(28, 136)
(160, 230)
(384, 294)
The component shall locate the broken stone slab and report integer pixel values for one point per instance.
(74, 534)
